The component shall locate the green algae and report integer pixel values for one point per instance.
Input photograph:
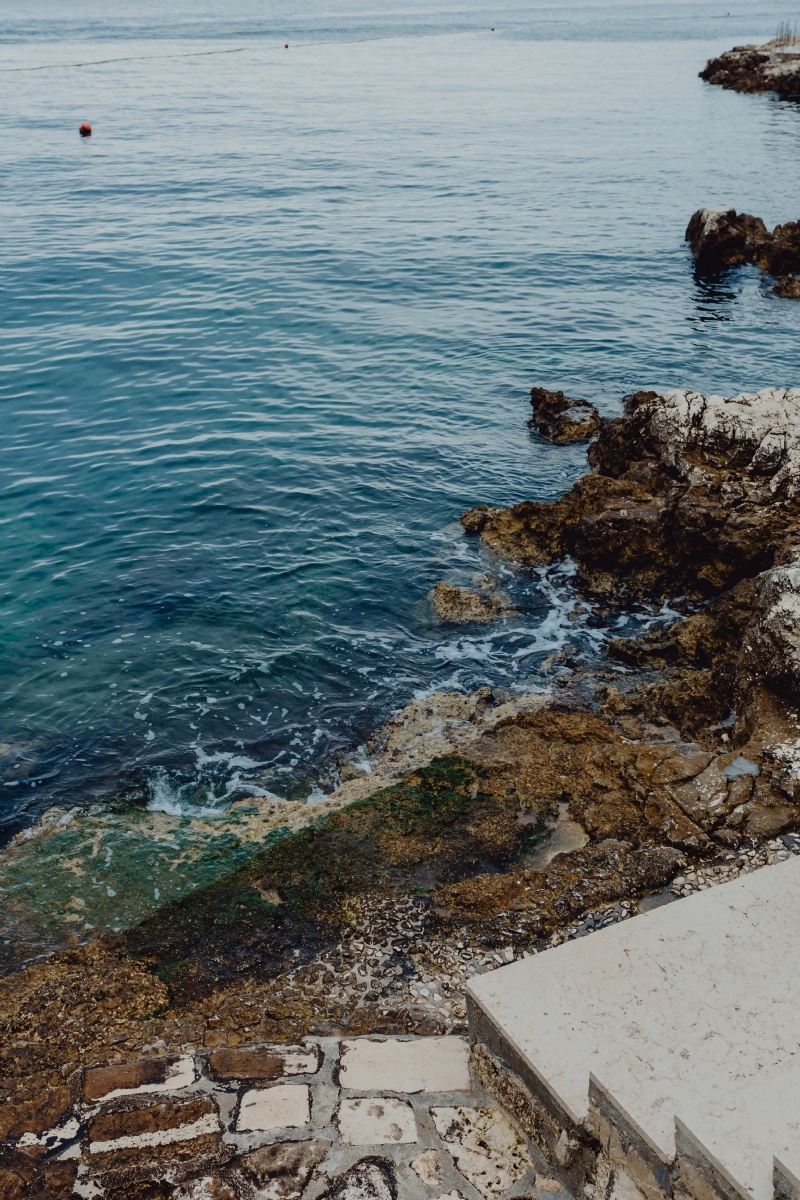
(303, 891)
(100, 871)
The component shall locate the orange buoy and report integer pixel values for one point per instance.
(85, 129)
(493, 29)
(286, 46)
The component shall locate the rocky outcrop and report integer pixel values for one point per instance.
(476, 606)
(720, 237)
(787, 287)
(559, 419)
(688, 495)
(774, 67)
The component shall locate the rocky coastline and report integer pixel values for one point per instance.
(720, 237)
(482, 829)
(773, 67)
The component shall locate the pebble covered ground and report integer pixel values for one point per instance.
(391, 960)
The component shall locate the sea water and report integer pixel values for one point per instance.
(271, 329)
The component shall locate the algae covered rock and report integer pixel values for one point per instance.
(439, 820)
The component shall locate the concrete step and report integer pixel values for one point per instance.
(690, 1012)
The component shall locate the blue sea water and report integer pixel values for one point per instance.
(271, 329)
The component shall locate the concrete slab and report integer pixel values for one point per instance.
(673, 1009)
(285, 1106)
(376, 1121)
(741, 1133)
(437, 1064)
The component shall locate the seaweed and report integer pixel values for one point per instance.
(301, 893)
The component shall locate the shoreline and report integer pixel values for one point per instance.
(675, 758)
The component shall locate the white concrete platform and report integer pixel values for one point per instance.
(691, 1012)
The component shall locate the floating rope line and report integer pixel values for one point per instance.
(101, 62)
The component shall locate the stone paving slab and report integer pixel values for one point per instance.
(671, 1014)
(255, 1126)
(436, 1064)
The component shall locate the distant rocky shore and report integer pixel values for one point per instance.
(773, 67)
(479, 829)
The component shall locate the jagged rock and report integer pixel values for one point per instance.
(720, 237)
(560, 419)
(464, 606)
(688, 494)
(787, 287)
(773, 67)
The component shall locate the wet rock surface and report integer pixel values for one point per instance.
(676, 761)
(773, 67)
(720, 237)
(561, 419)
(478, 605)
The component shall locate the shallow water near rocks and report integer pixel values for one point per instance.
(271, 329)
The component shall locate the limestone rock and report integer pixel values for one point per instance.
(720, 237)
(560, 419)
(774, 67)
(282, 1170)
(687, 492)
(487, 1150)
(464, 606)
(376, 1121)
(429, 1168)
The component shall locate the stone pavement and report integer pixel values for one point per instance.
(357, 1119)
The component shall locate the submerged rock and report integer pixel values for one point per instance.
(773, 67)
(720, 237)
(560, 419)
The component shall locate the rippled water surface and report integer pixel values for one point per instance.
(270, 330)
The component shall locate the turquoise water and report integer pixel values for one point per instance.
(271, 329)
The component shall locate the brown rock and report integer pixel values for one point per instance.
(34, 1116)
(560, 419)
(672, 824)
(283, 1169)
(704, 798)
(680, 766)
(59, 1177)
(170, 1119)
(262, 1062)
(464, 606)
(257, 1063)
(99, 1081)
(719, 238)
(475, 518)
(774, 67)
(787, 287)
